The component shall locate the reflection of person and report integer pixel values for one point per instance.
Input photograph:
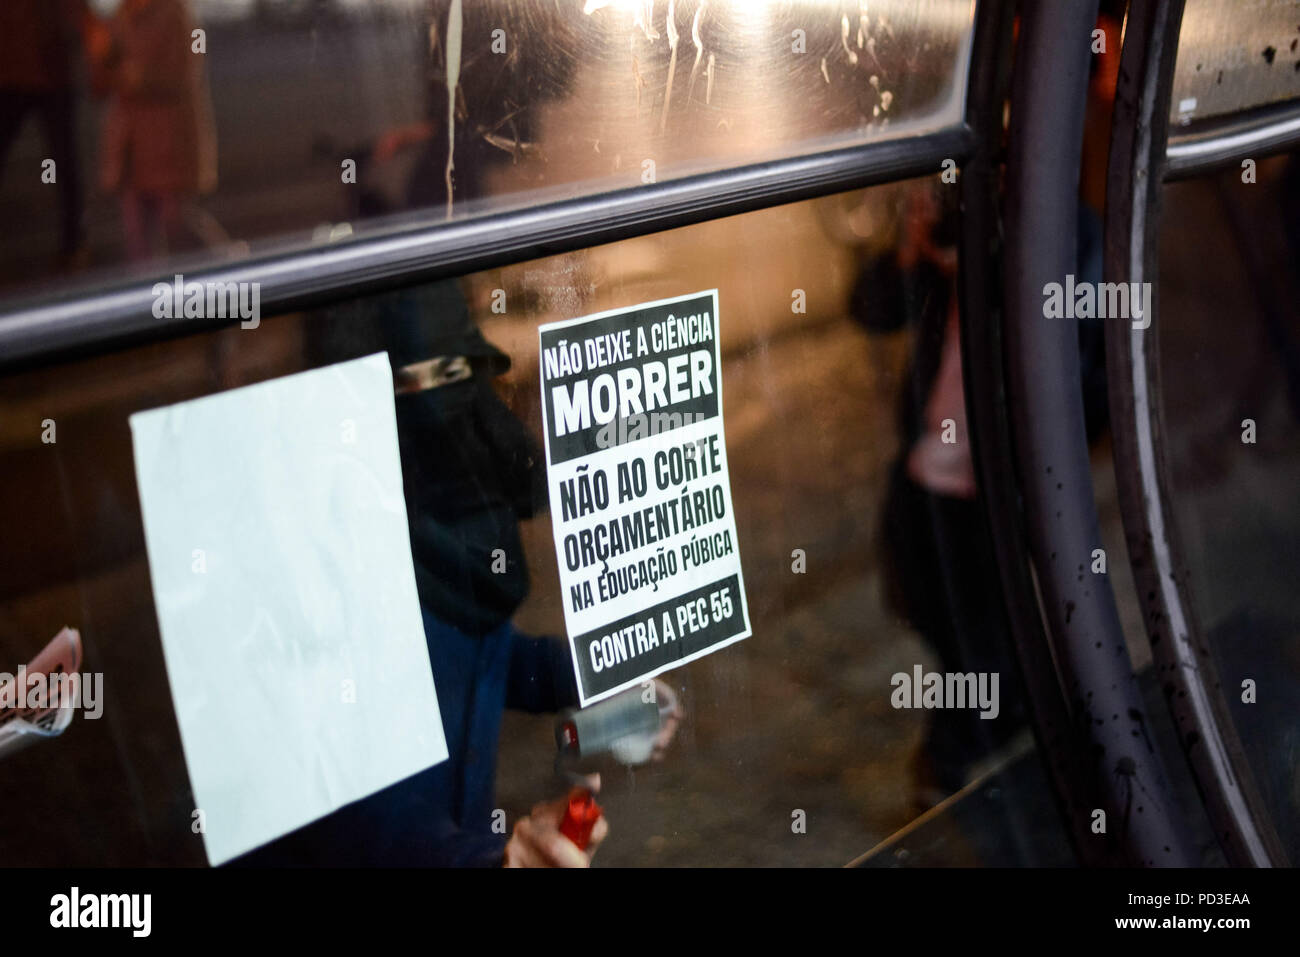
(158, 145)
(940, 569)
(471, 471)
(39, 41)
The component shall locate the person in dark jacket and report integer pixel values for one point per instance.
(471, 472)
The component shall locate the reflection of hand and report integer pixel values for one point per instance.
(672, 712)
(537, 841)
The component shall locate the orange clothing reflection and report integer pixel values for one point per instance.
(158, 142)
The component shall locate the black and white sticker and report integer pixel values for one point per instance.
(636, 461)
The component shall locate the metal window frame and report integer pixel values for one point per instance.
(1050, 450)
(1227, 140)
(1064, 748)
(60, 328)
(1140, 163)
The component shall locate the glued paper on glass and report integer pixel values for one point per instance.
(280, 558)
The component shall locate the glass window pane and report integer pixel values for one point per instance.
(1228, 317)
(285, 123)
(864, 556)
(1234, 55)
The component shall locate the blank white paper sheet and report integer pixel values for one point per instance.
(281, 565)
